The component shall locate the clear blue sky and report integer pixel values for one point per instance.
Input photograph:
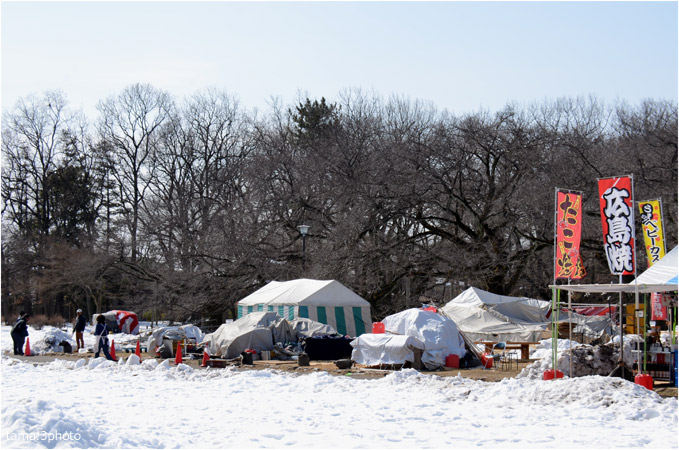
(461, 56)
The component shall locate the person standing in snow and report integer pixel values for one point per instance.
(101, 338)
(20, 333)
(79, 328)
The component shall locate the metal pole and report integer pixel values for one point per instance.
(304, 252)
(555, 335)
(570, 336)
(621, 359)
(636, 284)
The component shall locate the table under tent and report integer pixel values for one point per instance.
(325, 301)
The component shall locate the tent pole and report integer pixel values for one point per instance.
(644, 334)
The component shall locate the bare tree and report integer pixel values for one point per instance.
(131, 123)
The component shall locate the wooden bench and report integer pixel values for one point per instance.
(523, 346)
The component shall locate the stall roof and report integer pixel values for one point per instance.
(660, 277)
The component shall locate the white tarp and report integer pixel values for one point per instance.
(375, 349)
(324, 301)
(660, 277)
(482, 315)
(310, 328)
(177, 333)
(258, 331)
(439, 334)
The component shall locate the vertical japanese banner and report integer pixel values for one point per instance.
(652, 227)
(567, 259)
(650, 212)
(616, 199)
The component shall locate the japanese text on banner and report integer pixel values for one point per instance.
(652, 228)
(568, 261)
(617, 223)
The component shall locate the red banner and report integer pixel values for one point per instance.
(568, 262)
(617, 221)
(658, 311)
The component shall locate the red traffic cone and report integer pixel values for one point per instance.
(27, 351)
(178, 357)
(113, 350)
(206, 358)
(138, 350)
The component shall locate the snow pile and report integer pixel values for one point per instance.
(46, 340)
(544, 348)
(629, 343)
(100, 405)
(587, 359)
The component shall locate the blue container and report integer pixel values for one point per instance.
(673, 368)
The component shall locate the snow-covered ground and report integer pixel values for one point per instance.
(101, 404)
(48, 339)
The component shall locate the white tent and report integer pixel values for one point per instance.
(482, 315)
(660, 277)
(325, 301)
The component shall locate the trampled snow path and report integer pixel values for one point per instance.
(155, 406)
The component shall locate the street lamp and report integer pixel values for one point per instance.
(303, 230)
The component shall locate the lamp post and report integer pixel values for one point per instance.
(303, 230)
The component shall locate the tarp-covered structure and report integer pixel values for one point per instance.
(260, 331)
(376, 349)
(174, 333)
(484, 316)
(437, 336)
(325, 301)
(119, 321)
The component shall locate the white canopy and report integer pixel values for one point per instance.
(482, 315)
(660, 277)
(325, 301)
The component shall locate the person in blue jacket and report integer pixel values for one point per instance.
(79, 328)
(20, 333)
(101, 338)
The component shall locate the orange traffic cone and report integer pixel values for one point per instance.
(27, 352)
(113, 350)
(178, 357)
(138, 350)
(206, 358)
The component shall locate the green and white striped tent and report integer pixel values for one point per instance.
(325, 301)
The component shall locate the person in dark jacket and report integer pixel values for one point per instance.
(20, 333)
(79, 328)
(101, 338)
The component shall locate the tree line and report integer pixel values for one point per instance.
(177, 209)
